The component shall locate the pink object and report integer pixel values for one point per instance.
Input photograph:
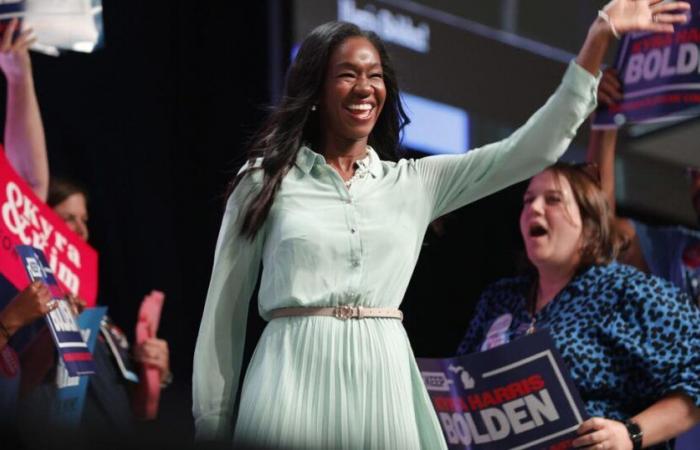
(148, 390)
(24, 219)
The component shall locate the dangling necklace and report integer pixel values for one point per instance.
(361, 169)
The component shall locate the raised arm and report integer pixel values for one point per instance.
(25, 144)
(453, 181)
(601, 151)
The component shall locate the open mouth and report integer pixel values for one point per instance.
(537, 230)
(361, 111)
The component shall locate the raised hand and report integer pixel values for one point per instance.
(646, 15)
(14, 55)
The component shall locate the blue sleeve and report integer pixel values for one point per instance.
(660, 328)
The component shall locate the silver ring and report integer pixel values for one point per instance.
(653, 18)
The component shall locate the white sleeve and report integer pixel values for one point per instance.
(220, 343)
(452, 181)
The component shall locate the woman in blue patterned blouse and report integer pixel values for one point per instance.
(631, 341)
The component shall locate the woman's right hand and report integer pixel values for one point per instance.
(15, 62)
(654, 16)
(30, 304)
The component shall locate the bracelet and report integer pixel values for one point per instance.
(4, 331)
(635, 433)
(603, 15)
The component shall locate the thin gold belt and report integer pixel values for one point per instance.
(339, 312)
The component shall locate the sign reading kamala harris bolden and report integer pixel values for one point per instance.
(515, 396)
(26, 220)
(65, 331)
(660, 74)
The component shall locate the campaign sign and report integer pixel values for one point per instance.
(119, 347)
(660, 75)
(10, 9)
(26, 220)
(64, 329)
(147, 394)
(70, 400)
(516, 396)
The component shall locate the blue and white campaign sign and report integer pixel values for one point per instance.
(70, 399)
(660, 74)
(64, 329)
(9, 9)
(515, 396)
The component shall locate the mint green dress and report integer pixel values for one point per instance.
(321, 382)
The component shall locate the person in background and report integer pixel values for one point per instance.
(669, 252)
(26, 151)
(108, 405)
(631, 341)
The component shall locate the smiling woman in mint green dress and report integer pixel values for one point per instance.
(336, 220)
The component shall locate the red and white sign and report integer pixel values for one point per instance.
(24, 219)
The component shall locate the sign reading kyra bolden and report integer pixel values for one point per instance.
(516, 396)
(660, 75)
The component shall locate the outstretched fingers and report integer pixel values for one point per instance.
(6, 43)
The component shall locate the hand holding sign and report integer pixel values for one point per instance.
(645, 15)
(153, 352)
(609, 89)
(30, 304)
(603, 433)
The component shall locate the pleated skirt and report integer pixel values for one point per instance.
(319, 382)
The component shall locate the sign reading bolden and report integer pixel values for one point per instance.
(516, 396)
(64, 329)
(26, 220)
(660, 74)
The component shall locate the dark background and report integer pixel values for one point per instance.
(155, 125)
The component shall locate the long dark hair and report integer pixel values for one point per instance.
(293, 124)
